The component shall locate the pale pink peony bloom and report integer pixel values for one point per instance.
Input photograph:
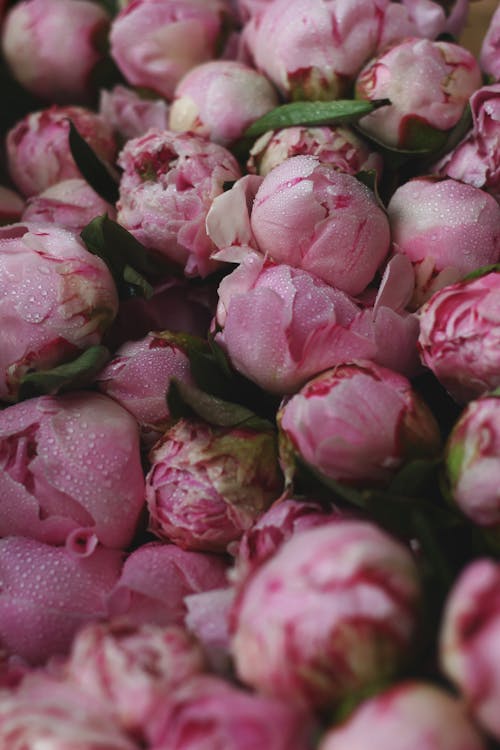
(342, 598)
(446, 228)
(312, 216)
(38, 152)
(489, 56)
(207, 617)
(157, 577)
(431, 19)
(207, 711)
(130, 669)
(53, 46)
(408, 716)
(428, 85)
(129, 114)
(138, 378)
(460, 336)
(359, 423)
(339, 146)
(48, 712)
(57, 299)
(314, 51)
(167, 187)
(11, 206)
(220, 99)
(469, 641)
(473, 462)
(48, 593)
(71, 471)
(207, 485)
(70, 204)
(155, 42)
(476, 160)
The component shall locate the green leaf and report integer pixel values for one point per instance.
(186, 400)
(310, 113)
(93, 169)
(483, 271)
(416, 478)
(74, 375)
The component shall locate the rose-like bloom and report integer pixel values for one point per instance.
(70, 471)
(473, 461)
(314, 50)
(476, 160)
(207, 485)
(155, 42)
(11, 206)
(157, 577)
(49, 712)
(207, 617)
(56, 299)
(220, 99)
(428, 85)
(52, 47)
(342, 598)
(446, 228)
(338, 146)
(38, 152)
(71, 204)
(312, 216)
(460, 336)
(489, 56)
(207, 710)
(48, 594)
(129, 114)
(168, 185)
(359, 423)
(138, 378)
(131, 668)
(410, 715)
(469, 641)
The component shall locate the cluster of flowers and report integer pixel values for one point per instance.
(249, 405)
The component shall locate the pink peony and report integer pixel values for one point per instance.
(157, 577)
(53, 46)
(333, 611)
(168, 185)
(431, 19)
(460, 334)
(70, 471)
(38, 152)
(129, 114)
(71, 204)
(489, 56)
(358, 423)
(11, 206)
(207, 485)
(312, 216)
(57, 299)
(48, 593)
(207, 617)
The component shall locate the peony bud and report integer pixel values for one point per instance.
(339, 146)
(410, 715)
(155, 42)
(433, 18)
(207, 485)
(129, 114)
(57, 299)
(489, 56)
(38, 152)
(220, 99)
(211, 711)
(168, 185)
(48, 594)
(130, 668)
(459, 335)
(207, 617)
(71, 204)
(138, 378)
(358, 424)
(157, 577)
(428, 85)
(311, 216)
(469, 641)
(71, 471)
(446, 228)
(53, 46)
(342, 598)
